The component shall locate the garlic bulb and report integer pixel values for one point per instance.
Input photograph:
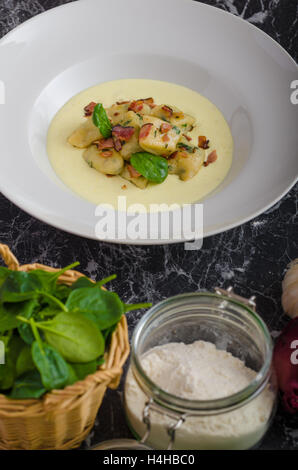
(289, 298)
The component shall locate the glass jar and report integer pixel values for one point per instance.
(166, 421)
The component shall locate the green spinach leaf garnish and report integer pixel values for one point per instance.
(100, 119)
(153, 167)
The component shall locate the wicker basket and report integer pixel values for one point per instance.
(60, 419)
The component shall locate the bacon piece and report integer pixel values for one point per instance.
(105, 143)
(165, 138)
(181, 153)
(123, 133)
(117, 144)
(173, 155)
(124, 186)
(203, 142)
(212, 157)
(88, 110)
(167, 110)
(145, 130)
(107, 153)
(122, 102)
(133, 172)
(187, 137)
(165, 127)
(136, 106)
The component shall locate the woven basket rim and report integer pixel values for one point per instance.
(108, 373)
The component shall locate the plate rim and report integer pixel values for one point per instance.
(240, 221)
(73, 3)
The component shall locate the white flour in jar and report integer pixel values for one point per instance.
(199, 371)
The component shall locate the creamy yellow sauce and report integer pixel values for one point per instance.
(97, 188)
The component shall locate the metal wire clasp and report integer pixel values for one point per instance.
(229, 292)
(171, 429)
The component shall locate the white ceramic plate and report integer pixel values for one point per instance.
(53, 56)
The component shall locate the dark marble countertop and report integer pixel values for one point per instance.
(252, 257)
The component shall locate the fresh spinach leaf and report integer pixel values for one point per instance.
(82, 282)
(19, 286)
(29, 385)
(25, 332)
(104, 308)
(48, 312)
(85, 282)
(8, 319)
(24, 361)
(48, 280)
(82, 370)
(52, 300)
(153, 167)
(74, 336)
(24, 329)
(9, 312)
(4, 272)
(8, 370)
(51, 365)
(100, 119)
(72, 376)
(7, 374)
(15, 345)
(62, 292)
(107, 334)
(5, 337)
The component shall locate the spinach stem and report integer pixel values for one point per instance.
(128, 308)
(67, 268)
(23, 319)
(46, 328)
(55, 332)
(36, 334)
(106, 280)
(56, 301)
